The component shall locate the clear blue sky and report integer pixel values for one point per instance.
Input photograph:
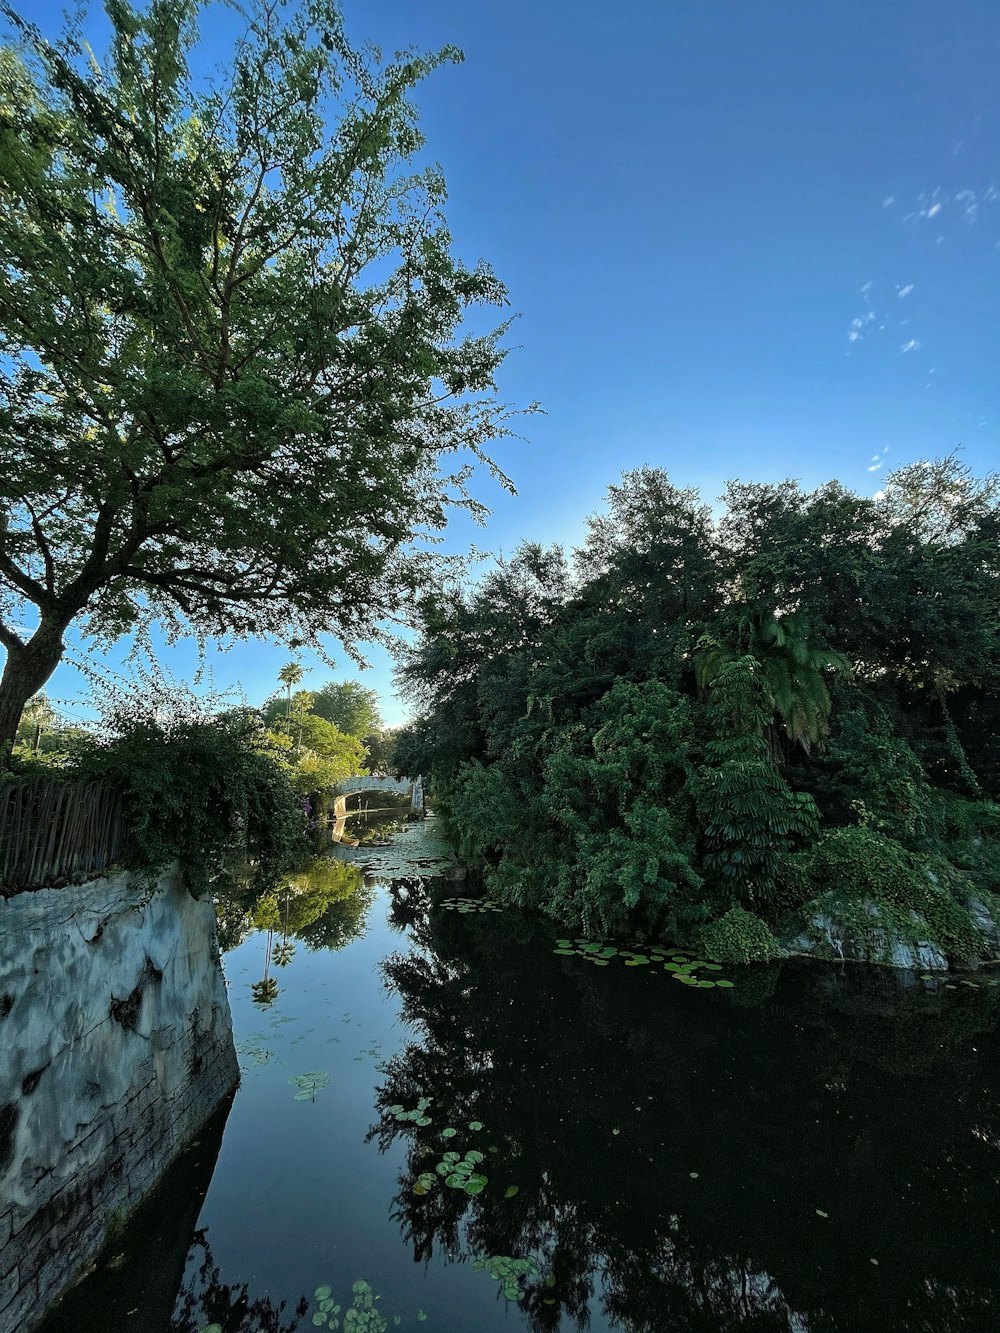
(755, 238)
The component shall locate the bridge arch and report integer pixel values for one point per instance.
(413, 788)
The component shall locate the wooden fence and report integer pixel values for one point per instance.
(53, 831)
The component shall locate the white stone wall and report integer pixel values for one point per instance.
(115, 1046)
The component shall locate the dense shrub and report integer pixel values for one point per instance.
(739, 937)
(201, 791)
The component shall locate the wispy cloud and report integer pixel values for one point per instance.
(905, 291)
(911, 345)
(888, 201)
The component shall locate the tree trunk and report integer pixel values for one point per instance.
(26, 671)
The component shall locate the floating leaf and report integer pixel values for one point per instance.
(448, 1133)
(421, 1316)
(419, 1189)
(475, 1184)
(212, 1328)
(474, 1156)
(424, 1120)
(453, 1156)
(475, 1124)
(510, 1191)
(319, 1319)
(820, 1213)
(726, 985)
(693, 1175)
(455, 1181)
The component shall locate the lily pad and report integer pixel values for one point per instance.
(475, 1124)
(510, 1191)
(448, 1133)
(475, 1184)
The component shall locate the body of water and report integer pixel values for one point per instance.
(809, 1148)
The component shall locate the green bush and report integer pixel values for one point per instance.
(204, 792)
(739, 937)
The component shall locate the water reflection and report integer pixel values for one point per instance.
(815, 1150)
(325, 906)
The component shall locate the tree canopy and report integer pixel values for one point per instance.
(693, 718)
(234, 382)
(349, 706)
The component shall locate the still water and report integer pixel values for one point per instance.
(813, 1149)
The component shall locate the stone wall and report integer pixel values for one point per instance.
(115, 1047)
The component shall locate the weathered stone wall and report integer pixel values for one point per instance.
(115, 1046)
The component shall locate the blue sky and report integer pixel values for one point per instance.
(745, 238)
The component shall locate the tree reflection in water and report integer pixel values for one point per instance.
(816, 1149)
(204, 1299)
(325, 906)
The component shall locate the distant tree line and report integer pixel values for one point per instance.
(706, 726)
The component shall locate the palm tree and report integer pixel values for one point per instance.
(795, 671)
(289, 675)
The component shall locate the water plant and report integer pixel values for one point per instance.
(361, 1316)
(309, 1084)
(508, 1272)
(418, 1116)
(681, 964)
(470, 905)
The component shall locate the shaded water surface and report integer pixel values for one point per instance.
(813, 1149)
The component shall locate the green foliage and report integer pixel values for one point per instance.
(739, 937)
(317, 753)
(349, 706)
(749, 815)
(639, 739)
(201, 791)
(879, 777)
(970, 835)
(234, 372)
(873, 885)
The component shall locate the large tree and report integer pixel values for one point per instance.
(232, 362)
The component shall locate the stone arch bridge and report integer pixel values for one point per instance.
(413, 788)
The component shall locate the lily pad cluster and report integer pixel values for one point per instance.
(418, 1116)
(508, 1272)
(309, 1084)
(361, 1316)
(455, 1170)
(470, 905)
(681, 965)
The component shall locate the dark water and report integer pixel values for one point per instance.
(815, 1149)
